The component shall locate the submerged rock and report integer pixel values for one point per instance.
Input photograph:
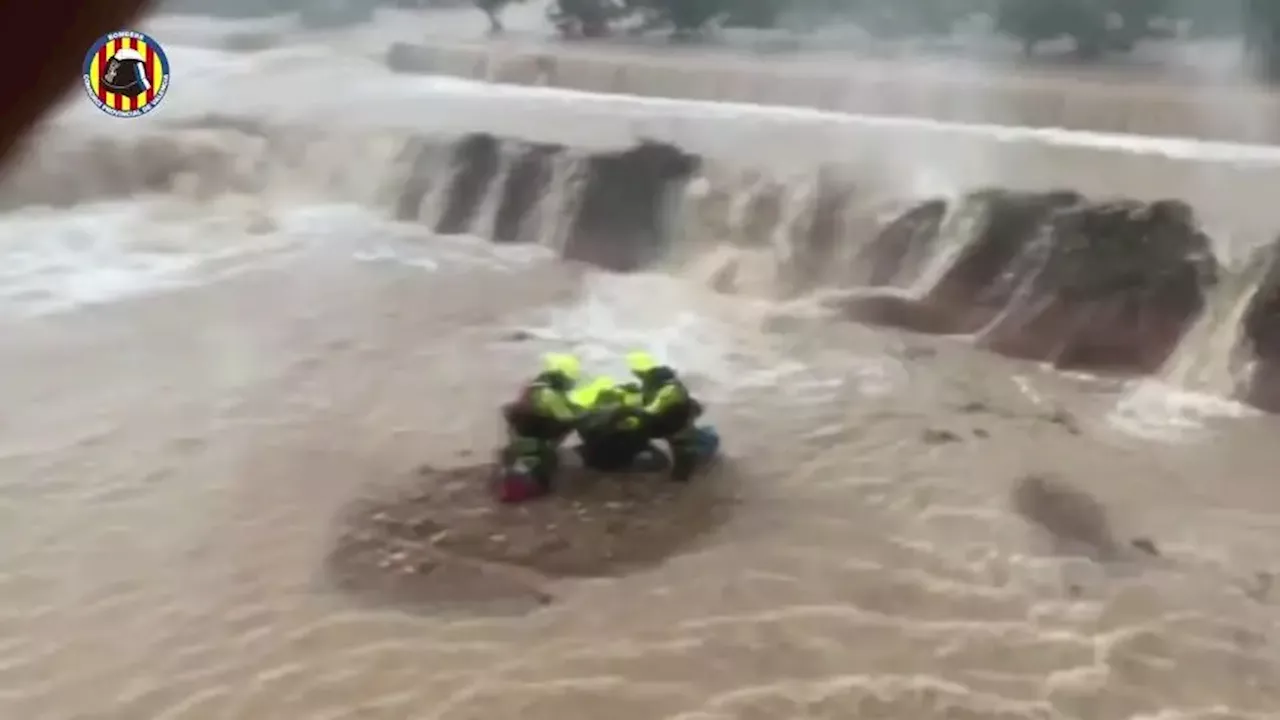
(475, 163)
(1261, 330)
(1076, 522)
(902, 244)
(1007, 235)
(1117, 286)
(615, 215)
(1057, 278)
(525, 185)
(622, 214)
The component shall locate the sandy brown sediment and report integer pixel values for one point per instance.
(416, 547)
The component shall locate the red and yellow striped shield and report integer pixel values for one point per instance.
(155, 63)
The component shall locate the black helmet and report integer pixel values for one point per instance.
(125, 73)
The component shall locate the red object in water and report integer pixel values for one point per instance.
(517, 488)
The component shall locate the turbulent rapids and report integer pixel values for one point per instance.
(990, 401)
(1097, 283)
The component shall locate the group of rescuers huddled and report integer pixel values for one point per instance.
(616, 422)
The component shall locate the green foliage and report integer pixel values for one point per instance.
(1036, 21)
(753, 13)
(1096, 26)
(901, 17)
(1262, 36)
(1209, 17)
(691, 15)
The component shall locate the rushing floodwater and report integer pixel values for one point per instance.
(195, 388)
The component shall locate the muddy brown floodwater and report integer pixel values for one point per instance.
(250, 386)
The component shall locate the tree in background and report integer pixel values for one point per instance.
(492, 10)
(1097, 27)
(1086, 22)
(757, 13)
(690, 17)
(907, 18)
(589, 18)
(1262, 37)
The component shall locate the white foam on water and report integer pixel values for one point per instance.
(717, 346)
(58, 260)
(615, 315)
(1154, 410)
(415, 247)
(51, 262)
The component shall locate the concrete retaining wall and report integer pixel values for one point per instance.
(959, 93)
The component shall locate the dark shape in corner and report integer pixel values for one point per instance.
(1074, 520)
(1147, 546)
(621, 223)
(419, 155)
(526, 183)
(475, 164)
(408, 58)
(1120, 285)
(825, 233)
(1057, 278)
(902, 244)
(1261, 329)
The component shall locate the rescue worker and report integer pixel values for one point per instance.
(671, 412)
(539, 419)
(612, 427)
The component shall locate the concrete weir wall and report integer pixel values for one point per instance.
(941, 91)
(798, 190)
(1232, 186)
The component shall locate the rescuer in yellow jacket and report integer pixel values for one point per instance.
(670, 411)
(613, 429)
(541, 417)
